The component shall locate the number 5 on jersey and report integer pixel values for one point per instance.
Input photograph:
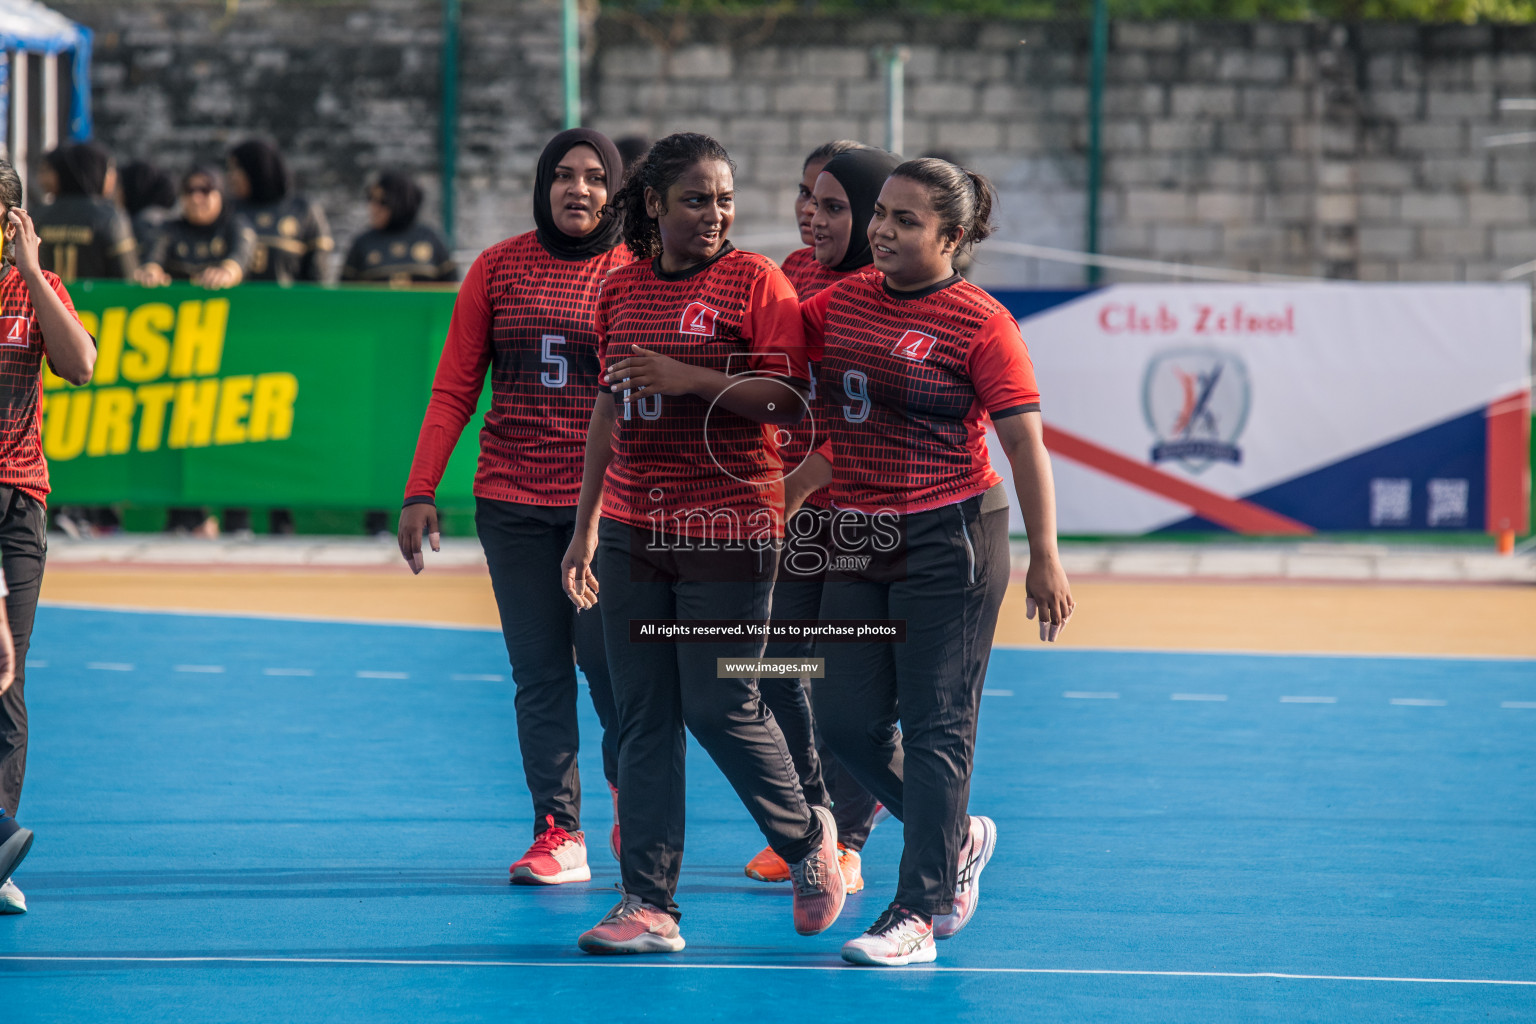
(556, 376)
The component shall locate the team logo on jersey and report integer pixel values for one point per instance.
(914, 345)
(698, 319)
(1196, 401)
(15, 330)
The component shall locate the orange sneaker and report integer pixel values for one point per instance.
(852, 866)
(768, 867)
(556, 857)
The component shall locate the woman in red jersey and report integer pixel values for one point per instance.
(843, 196)
(525, 313)
(682, 504)
(801, 267)
(916, 362)
(37, 319)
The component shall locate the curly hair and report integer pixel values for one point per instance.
(669, 159)
(10, 198)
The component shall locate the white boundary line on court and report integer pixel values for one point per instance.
(340, 620)
(653, 965)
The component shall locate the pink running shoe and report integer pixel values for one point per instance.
(613, 835)
(633, 926)
(556, 857)
(974, 855)
(819, 887)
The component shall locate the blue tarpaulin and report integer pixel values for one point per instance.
(30, 27)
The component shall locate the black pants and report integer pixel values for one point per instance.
(797, 595)
(23, 550)
(523, 547)
(955, 576)
(661, 687)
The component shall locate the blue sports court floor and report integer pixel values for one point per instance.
(246, 819)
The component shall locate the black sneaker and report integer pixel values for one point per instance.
(15, 841)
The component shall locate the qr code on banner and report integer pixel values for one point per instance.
(1448, 502)
(1391, 501)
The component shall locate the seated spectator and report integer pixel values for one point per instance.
(83, 232)
(292, 236)
(397, 249)
(149, 196)
(209, 244)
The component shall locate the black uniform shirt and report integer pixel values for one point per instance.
(400, 257)
(291, 235)
(185, 250)
(85, 237)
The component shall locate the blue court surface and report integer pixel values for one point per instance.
(245, 819)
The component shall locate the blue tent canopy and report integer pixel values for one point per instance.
(26, 26)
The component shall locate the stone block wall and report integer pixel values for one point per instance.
(1350, 151)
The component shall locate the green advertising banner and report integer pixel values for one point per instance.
(263, 396)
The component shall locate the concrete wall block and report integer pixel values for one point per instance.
(707, 62)
(843, 62)
(1071, 100)
(1185, 240)
(1432, 208)
(632, 62)
(1272, 103)
(1336, 208)
(1516, 69)
(811, 132)
(1124, 135)
(1337, 174)
(1167, 136)
(1250, 66)
(1149, 100)
(1158, 205)
(1377, 172)
(1514, 244)
(761, 131)
(970, 136)
(1456, 243)
(1286, 207)
(1203, 100)
(1256, 137)
(1403, 104)
(1396, 243)
(1226, 207)
(944, 98)
(805, 98)
(1455, 172)
(1430, 272)
(1141, 171)
(1431, 137)
(1001, 100)
(1507, 208)
(1376, 272)
(1381, 68)
(1154, 35)
(1447, 104)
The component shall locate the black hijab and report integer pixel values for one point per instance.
(861, 172)
(608, 232)
(264, 168)
(81, 169)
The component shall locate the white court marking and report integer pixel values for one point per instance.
(37, 664)
(1089, 695)
(1417, 702)
(109, 666)
(1197, 696)
(287, 671)
(211, 670)
(997, 693)
(1519, 704)
(1309, 700)
(366, 674)
(476, 677)
(618, 964)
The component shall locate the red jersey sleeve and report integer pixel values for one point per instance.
(58, 289)
(456, 387)
(813, 319)
(1001, 371)
(772, 329)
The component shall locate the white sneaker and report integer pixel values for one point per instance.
(556, 857)
(974, 854)
(11, 899)
(899, 938)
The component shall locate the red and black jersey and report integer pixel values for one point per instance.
(810, 277)
(681, 466)
(21, 384)
(911, 378)
(527, 315)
